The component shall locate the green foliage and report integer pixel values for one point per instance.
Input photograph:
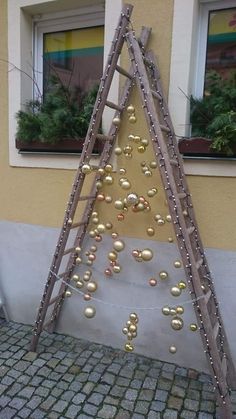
(214, 116)
(59, 116)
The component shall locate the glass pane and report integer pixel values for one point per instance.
(221, 42)
(75, 56)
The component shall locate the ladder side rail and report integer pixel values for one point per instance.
(195, 238)
(109, 145)
(176, 209)
(103, 91)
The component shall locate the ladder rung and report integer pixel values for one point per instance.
(64, 274)
(199, 263)
(53, 300)
(103, 137)
(124, 72)
(174, 162)
(165, 129)
(224, 365)
(190, 230)
(114, 106)
(75, 225)
(216, 330)
(86, 198)
(182, 195)
(156, 95)
(70, 250)
(207, 296)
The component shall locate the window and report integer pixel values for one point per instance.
(68, 65)
(29, 21)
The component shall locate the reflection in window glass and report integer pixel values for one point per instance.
(221, 42)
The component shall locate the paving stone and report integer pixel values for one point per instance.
(207, 406)
(123, 414)
(4, 400)
(27, 392)
(158, 406)
(193, 394)
(73, 411)
(174, 402)
(96, 398)
(34, 402)
(79, 398)
(107, 412)
(7, 413)
(25, 413)
(67, 395)
(111, 400)
(153, 415)
(128, 405)
(17, 403)
(88, 388)
(161, 395)
(7, 380)
(60, 406)
(42, 391)
(146, 394)
(164, 384)
(131, 394)
(75, 386)
(90, 409)
(204, 415)
(47, 404)
(170, 414)
(183, 372)
(38, 414)
(117, 391)
(125, 382)
(108, 378)
(191, 404)
(30, 356)
(142, 407)
(181, 381)
(187, 414)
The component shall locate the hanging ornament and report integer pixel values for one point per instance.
(118, 245)
(78, 261)
(101, 228)
(86, 169)
(114, 235)
(193, 327)
(173, 311)
(170, 240)
(116, 121)
(100, 197)
(137, 139)
(130, 109)
(163, 275)
(93, 248)
(119, 204)
(172, 349)
(116, 269)
(120, 217)
(132, 119)
(151, 193)
(92, 286)
(179, 310)
(177, 323)
(152, 282)
(175, 291)
(101, 171)
(108, 180)
(129, 347)
(98, 238)
(79, 284)
(168, 218)
(145, 142)
(122, 171)
(108, 272)
(177, 264)
(126, 184)
(108, 226)
(182, 285)
(166, 310)
(86, 277)
(69, 222)
(141, 149)
(68, 293)
(153, 164)
(118, 151)
(132, 199)
(112, 256)
(75, 278)
(99, 184)
(147, 255)
(160, 222)
(90, 312)
(87, 297)
(108, 168)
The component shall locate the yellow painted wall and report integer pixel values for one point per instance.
(39, 196)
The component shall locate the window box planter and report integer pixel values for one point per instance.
(201, 147)
(63, 146)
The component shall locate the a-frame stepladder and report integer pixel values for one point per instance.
(145, 73)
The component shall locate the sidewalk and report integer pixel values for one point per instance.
(71, 378)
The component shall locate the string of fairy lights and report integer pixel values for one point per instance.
(131, 326)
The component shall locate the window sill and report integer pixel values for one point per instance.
(200, 148)
(63, 147)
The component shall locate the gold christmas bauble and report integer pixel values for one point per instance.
(166, 310)
(92, 234)
(145, 142)
(125, 330)
(92, 286)
(100, 197)
(108, 180)
(128, 149)
(129, 347)
(101, 228)
(170, 240)
(93, 248)
(150, 231)
(126, 185)
(119, 245)
(137, 139)
(116, 269)
(122, 171)
(153, 164)
(133, 317)
(177, 264)
(95, 220)
(193, 327)
(86, 277)
(119, 204)
(69, 222)
(77, 249)
(148, 173)
(141, 149)
(68, 293)
(172, 349)
(179, 310)
(150, 193)
(112, 256)
(108, 226)
(147, 255)
(157, 217)
(132, 328)
(182, 285)
(79, 284)
(75, 278)
(101, 171)
(175, 291)
(108, 168)
(160, 222)
(90, 312)
(118, 151)
(99, 184)
(86, 168)
(168, 218)
(163, 275)
(173, 311)
(91, 257)
(116, 121)
(78, 261)
(130, 109)
(177, 323)
(132, 119)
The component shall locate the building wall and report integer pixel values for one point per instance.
(32, 206)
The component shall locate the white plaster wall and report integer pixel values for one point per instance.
(25, 257)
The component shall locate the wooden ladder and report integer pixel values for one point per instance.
(145, 73)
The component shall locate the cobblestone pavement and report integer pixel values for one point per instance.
(71, 378)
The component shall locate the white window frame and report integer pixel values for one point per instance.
(188, 57)
(23, 15)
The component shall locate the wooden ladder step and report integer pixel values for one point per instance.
(102, 137)
(199, 263)
(79, 224)
(124, 72)
(114, 106)
(69, 250)
(156, 95)
(54, 299)
(182, 195)
(165, 129)
(86, 197)
(63, 274)
(207, 296)
(190, 230)
(174, 162)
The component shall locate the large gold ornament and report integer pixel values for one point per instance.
(112, 256)
(118, 245)
(177, 264)
(116, 121)
(130, 109)
(177, 323)
(175, 291)
(90, 312)
(86, 168)
(92, 286)
(147, 255)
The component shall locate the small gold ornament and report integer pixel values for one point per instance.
(108, 272)
(91, 257)
(150, 193)
(182, 285)
(141, 149)
(99, 184)
(153, 164)
(177, 264)
(122, 171)
(78, 261)
(179, 310)
(116, 121)
(137, 139)
(170, 240)
(116, 269)
(133, 328)
(168, 218)
(193, 327)
(90, 312)
(175, 291)
(108, 168)
(68, 293)
(98, 238)
(86, 277)
(160, 222)
(125, 330)
(128, 149)
(86, 169)
(157, 217)
(118, 151)
(130, 109)
(79, 284)
(120, 217)
(126, 185)
(92, 286)
(100, 197)
(132, 119)
(77, 249)
(166, 310)
(75, 278)
(92, 234)
(119, 245)
(173, 311)
(133, 317)
(108, 226)
(129, 347)
(114, 235)
(147, 255)
(177, 323)
(69, 222)
(150, 231)
(112, 256)
(119, 204)
(163, 275)
(148, 173)
(95, 220)
(101, 228)
(108, 180)
(101, 171)
(172, 349)
(145, 142)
